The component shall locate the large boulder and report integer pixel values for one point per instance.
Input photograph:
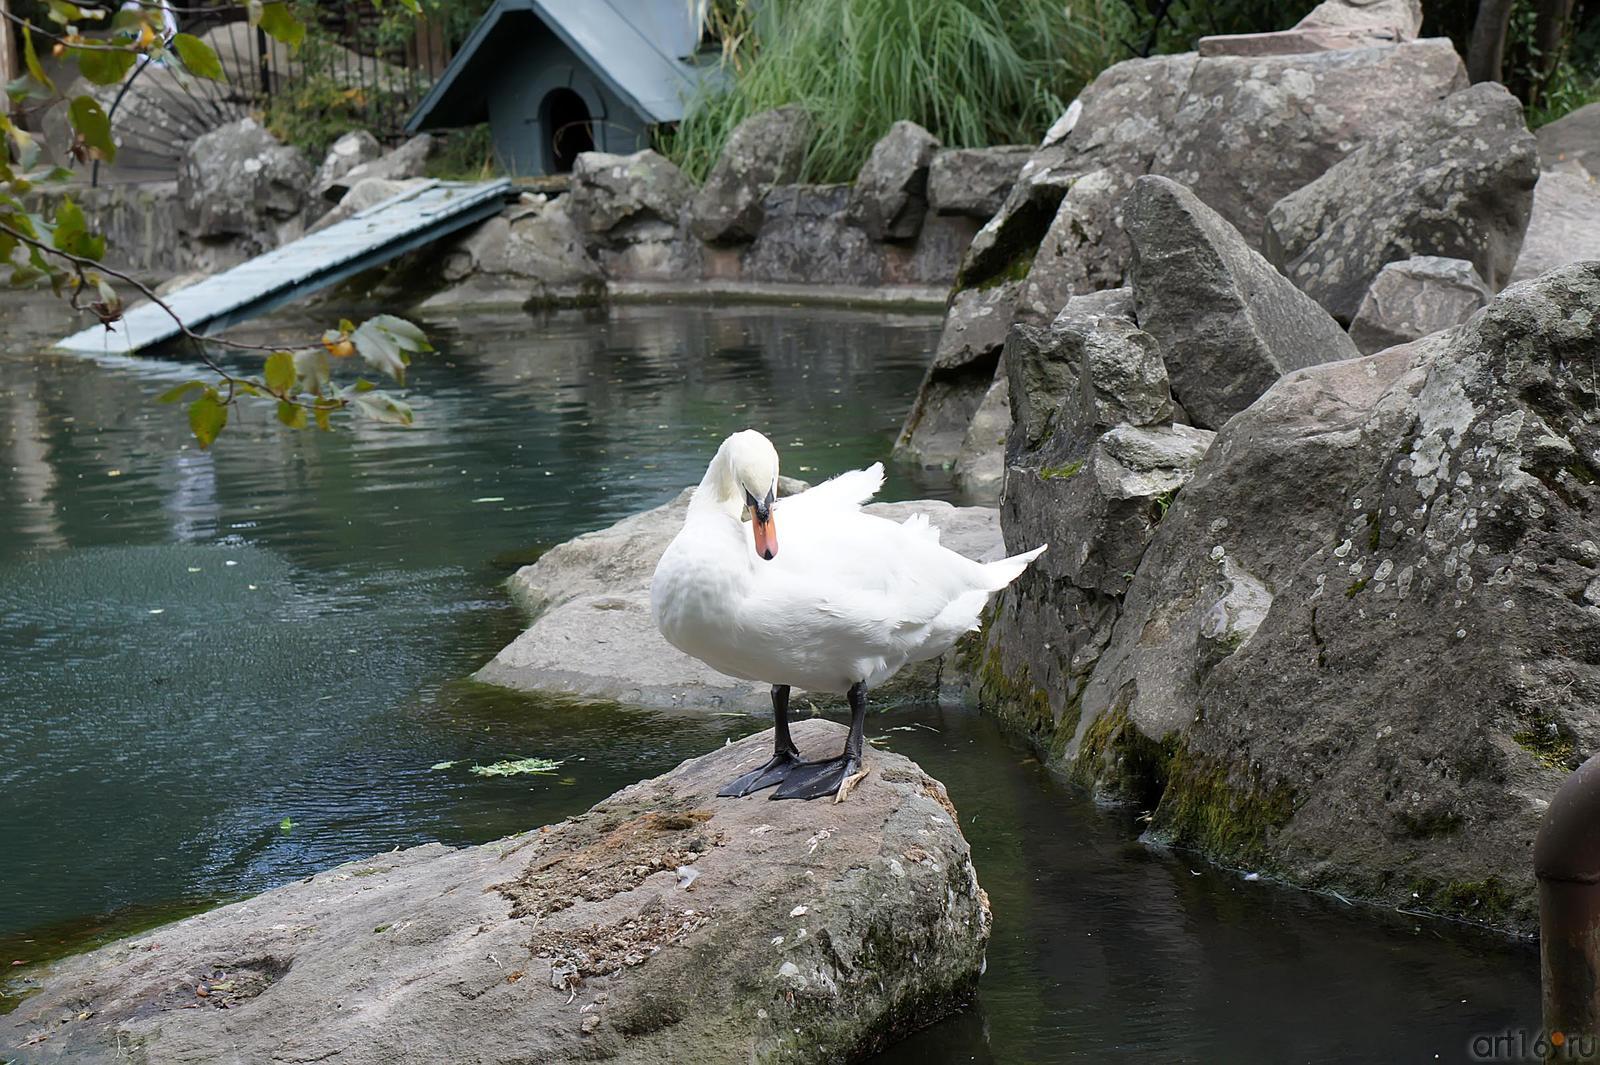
(628, 198)
(764, 150)
(1572, 142)
(243, 192)
(409, 160)
(1228, 323)
(1564, 226)
(806, 238)
(531, 253)
(891, 191)
(591, 634)
(1458, 182)
(1415, 297)
(974, 182)
(962, 371)
(1093, 464)
(1362, 649)
(1330, 26)
(1084, 250)
(980, 465)
(344, 155)
(665, 924)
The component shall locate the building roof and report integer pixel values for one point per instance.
(634, 46)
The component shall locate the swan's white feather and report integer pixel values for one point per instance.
(849, 597)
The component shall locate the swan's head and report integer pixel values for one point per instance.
(753, 462)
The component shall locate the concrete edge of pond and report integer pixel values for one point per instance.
(891, 297)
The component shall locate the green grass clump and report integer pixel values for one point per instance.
(973, 72)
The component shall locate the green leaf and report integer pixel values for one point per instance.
(90, 120)
(280, 373)
(172, 395)
(382, 407)
(27, 149)
(207, 416)
(104, 66)
(285, 825)
(386, 343)
(64, 14)
(291, 414)
(30, 59)
(517, 766)
(279, 22)
(197, 56)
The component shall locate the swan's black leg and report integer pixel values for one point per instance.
(785, 755)
(833, 776)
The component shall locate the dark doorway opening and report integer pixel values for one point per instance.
(565, 118)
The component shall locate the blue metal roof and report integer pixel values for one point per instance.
(397, 225)
(643, 50)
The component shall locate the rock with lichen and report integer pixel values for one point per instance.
(1362, 648)
(665, 924)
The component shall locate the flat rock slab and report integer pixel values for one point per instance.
(665, 924)
(592, 636)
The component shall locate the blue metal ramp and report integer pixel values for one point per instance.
(326, 257)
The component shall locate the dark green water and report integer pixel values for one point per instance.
(195, 647)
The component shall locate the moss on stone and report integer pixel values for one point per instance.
(1548, 743)
(1207, 808)
(1488, 901)
(1355, 588)
(1118, 761)
(1060, 473)
(1014, 703)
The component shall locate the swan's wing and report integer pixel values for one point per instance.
(844, 492)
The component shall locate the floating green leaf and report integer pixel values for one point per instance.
(197, 56)
(518, 766)
(442, 765)
(285, 825)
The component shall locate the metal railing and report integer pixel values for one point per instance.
(352, 60)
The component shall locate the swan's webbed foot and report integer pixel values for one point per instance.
(818, 780)
(775, 771)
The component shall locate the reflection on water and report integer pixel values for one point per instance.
(197, 648)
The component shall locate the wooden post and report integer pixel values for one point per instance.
(9, 67)
(1566, 860)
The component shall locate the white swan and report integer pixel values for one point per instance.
(849, 599)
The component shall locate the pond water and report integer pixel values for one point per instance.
(219, 672)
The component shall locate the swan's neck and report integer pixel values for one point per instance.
(719, 490)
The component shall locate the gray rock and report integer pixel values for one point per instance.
(368, 192)
(1415, 297)
(805, 238)
(1085, 248)
(1457, 182)
(980, 465)
(1228, 323)
(242, 188)
(974, 182)
(1331, 25)
(1251, 130)
(961, 374)
(1564, 226)
(1384, 19)
(1352, 657)
(591, 635)
(628, 199)
(532, 249)
(1572, 142)
(348, 152)
(665, 924)
(891, 191)
(764, 150)
(407, 161)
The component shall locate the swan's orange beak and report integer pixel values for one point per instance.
(766, 535)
